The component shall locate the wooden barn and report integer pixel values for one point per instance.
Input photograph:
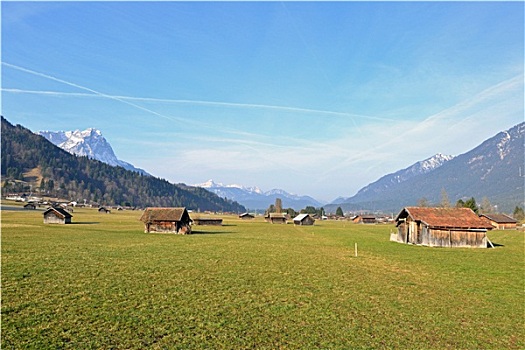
(501, 221)
(166, 220)
(208, 221)
(441, 227)
(30, 206)
(246, 216)
(57, 215)
(364, 219)
(303, 219)
(277, 218)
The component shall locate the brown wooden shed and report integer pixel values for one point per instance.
(303, 219)
(441, 227)
(365, 219)
(166, 220)
(246, 216)
(56, 215)
(208, 221)
(277, 218)
(501, 221)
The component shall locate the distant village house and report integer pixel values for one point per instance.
(441, 227)
(166, 220)
(57, 215)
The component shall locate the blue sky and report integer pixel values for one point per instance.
(316, 98)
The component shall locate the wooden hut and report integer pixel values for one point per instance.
(166, 220)
(303, 219)
(364, 219)
(246, 216)
(277, 218)
(441, 227)
(208, 221)
(57, 215)
(501, 221)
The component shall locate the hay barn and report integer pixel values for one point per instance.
(246, 216)
(303, 219)
(208, 221)
(441, 227)
(501, 221)
(56, 215)
(166, 220)
(277, 218)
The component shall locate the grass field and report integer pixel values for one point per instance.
(102, 283)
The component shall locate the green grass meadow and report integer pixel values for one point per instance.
(102, 283)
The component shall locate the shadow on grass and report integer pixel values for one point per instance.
(496, 245)
(193, 232)
(85, 223)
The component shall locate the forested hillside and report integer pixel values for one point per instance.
(70, 177)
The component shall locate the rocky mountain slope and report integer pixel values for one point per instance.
(494, 169)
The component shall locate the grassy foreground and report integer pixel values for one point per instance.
(102, 283)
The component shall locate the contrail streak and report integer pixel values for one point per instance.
(116, 98)
(126, 99)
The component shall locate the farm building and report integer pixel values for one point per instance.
(166, 220)
(441, 227)
(303, 219)
(104, 210)
(276, 218)
(246, 216)
(500, 221)
(56, 215)
(364, 219)
(208, 221)
(30, 206)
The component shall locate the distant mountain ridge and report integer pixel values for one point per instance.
(254, 198)
(494, 169)
(89, 143)
(391, 180)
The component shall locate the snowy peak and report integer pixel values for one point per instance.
(89, 143)
(422, 167)
(255, 198)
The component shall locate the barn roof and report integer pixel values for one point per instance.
(163, 214)
(301, 217)
(61, 213)
(463, 218)
(500, 218)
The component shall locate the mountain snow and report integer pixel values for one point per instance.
(89, 143)
(255, 198)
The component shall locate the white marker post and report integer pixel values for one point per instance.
(356, 250)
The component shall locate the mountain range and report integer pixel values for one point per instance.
(29, 162)
(256, 199)
(89, 143)
(494, 169)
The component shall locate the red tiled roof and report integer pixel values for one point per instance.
(163, 214)
(463, 218)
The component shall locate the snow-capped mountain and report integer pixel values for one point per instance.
(494, 170)
(90, 143)
(418, 168)
(254, 198)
